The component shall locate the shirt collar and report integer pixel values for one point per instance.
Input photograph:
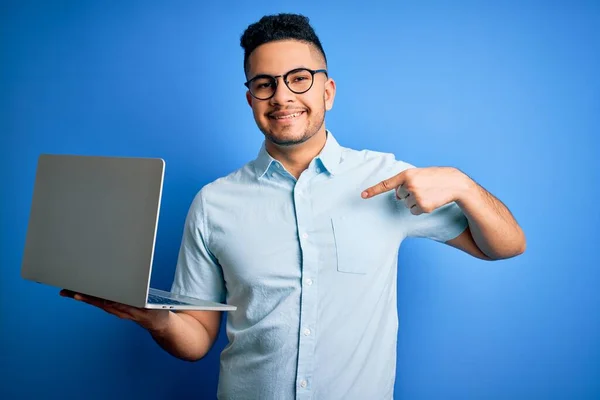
(331, 154)
(329, 157)
(263, 161)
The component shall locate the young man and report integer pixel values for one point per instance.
(304, 240)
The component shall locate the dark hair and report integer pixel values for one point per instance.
(282, 26)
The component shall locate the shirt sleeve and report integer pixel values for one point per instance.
(442, 224)
(198, 273)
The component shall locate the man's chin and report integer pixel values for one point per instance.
(287, 139)
(287, 142)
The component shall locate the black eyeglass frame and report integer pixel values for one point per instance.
(274, 79)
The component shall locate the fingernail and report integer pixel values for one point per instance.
(364, 195)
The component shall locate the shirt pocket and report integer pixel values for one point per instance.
(351, 245)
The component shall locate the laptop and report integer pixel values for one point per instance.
(92, 230)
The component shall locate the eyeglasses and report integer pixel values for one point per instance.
(299, 80)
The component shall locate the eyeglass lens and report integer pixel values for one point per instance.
(298, 81)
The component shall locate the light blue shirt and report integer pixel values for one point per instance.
(311, 267)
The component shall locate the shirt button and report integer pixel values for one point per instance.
(309, 282)
(303, 383)
(306, 332)
(304, 235)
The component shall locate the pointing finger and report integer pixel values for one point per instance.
(383, 186)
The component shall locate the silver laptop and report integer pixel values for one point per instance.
(92, 230)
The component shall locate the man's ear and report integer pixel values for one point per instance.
(329, 95)
(249, 98)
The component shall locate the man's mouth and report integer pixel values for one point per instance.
(285, 115)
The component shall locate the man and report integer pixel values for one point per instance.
(304, 240)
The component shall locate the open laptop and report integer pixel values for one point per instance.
(92, 230)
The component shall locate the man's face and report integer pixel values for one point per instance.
(288, 118)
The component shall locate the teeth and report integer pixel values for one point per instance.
(289, 116)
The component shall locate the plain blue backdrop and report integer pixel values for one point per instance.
(508, 93)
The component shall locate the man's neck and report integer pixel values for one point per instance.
(296, 158)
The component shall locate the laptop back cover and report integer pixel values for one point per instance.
(92, 226)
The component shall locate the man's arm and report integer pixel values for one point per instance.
(466, 243)
(493, 232)
(188, 335)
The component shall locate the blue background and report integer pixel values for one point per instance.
(508, 93)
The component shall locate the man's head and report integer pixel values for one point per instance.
(291, 112)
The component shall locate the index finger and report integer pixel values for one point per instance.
(384, 186)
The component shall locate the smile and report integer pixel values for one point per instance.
(287, 116)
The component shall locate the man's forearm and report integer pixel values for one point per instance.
(183, 337)
(494, 229)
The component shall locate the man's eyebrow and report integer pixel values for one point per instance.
(265, 74)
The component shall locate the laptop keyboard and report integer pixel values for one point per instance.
(154, 299)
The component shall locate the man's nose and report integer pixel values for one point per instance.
(282, 93)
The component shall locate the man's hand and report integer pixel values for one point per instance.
(152, 320)
(423, 189)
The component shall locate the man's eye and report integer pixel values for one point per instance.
(264, 85)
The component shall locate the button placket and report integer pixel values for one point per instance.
(308, 301)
